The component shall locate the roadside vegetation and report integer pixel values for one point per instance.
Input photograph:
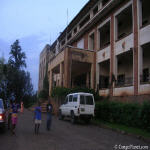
(129, 117)
(132, 118)
(15, 81)
(61, 92)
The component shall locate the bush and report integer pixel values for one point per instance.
(63, 92)
(130, 114)
(145, 115)
(43, 94)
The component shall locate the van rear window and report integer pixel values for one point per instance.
(86, 100)
(89, 100)
(82, 99)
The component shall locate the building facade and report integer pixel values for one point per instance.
(44, 57)
(105, 47)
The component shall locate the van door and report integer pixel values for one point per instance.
(64, 106)
(82, 104)
(86, 104)
(69, 105)
(89, 104)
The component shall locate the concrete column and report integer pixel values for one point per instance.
(94, 71)
(67, 68)
(136, 46)
(97, 75)
(87, 79)
(112, 55)
(91, 13)
(100, 6)
(92, 81)
(141, 61)
(61, 74)
(116, 67)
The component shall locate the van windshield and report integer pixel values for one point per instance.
(88, 100)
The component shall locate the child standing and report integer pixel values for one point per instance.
(37, 118)
(14, 116)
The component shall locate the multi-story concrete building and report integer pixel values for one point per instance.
(105, 47)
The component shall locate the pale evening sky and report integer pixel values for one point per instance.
(34, 23)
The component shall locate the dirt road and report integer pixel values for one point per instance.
(63, 136)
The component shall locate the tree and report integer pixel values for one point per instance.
(15, 82)
(19, 80)
(17, 57)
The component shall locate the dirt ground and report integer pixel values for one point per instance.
(63, 136)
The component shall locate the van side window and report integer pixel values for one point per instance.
(89, 100)
(82, 99)
(75, 97)
(70, 98)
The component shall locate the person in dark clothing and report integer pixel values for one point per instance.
(49, 109)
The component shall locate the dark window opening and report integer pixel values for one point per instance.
(104, 35)
(145, 75)
(124, 23)
(63, 42)
(75, 30)
(91, 42)
(103, 81)
(95, 10)
(80, 81)
(69, 36)
(84, 21)
(121, 79)
(104, 2)
(145, 12)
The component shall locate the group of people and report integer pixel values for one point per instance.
(13, 116)
(38, 117)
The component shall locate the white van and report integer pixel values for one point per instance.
(78, 106)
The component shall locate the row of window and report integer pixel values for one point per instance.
(123, 26)
(94, 10)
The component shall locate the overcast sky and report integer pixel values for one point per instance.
(35, 23)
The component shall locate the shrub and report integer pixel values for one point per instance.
(62, 92)
(130, 114)
(145, 115)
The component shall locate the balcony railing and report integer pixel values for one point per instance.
(145, 79)
(124, 82)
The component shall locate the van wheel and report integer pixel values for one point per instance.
(73, 119)
(60, 116)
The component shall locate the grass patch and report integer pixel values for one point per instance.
(131, 130)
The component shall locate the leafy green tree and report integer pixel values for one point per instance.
(17, 57)
(19, 80)
(15, 82)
